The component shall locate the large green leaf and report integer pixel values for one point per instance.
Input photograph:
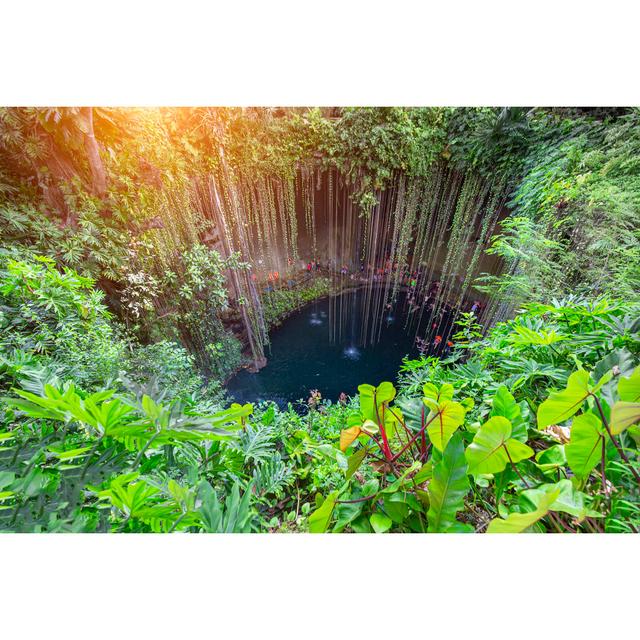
(629, 388)
(380, 522)
(448, 486)
(319, 520)
(585, 445)
(569, 499)
(519, 522)
(623, 415)
(396, 506)
(345, 514)
(492, 447)
(412, 411)
(444, 419)
(445, 392)
(372, 398)
(561, 405)
(354, 461)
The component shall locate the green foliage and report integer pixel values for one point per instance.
(501, 470)
(534, 427)
(575, 210)
(43, 309)
(279, 303)
(448, 487)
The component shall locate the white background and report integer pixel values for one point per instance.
(329, 52)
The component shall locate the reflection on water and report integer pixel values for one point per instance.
(352, 353)
(316, 318)
(334, 345)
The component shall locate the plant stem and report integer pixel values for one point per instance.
(413, 439)
(623, 455)
(526, 484)
(602, 468)
(386, 450)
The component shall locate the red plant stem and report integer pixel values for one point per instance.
(526, 484)
(594, 524)
(623, 455)
(602, 472)
(558, 520)
(374, 439)
(400, 420)
(423, 439)
(386, 450)
(421, 432)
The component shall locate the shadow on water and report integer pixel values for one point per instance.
(328, 346)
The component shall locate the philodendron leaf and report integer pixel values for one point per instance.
(504, 405)
(348, 436)
(519, 522)
(354, 461)
(629, 388)
(493, 447)
(584, 448)
(372, 398)
(561, 405)
(448, 486)
(396, 506)
(438, 395)
(569, 499)
(623, 415)
(319, 520)
(444, 419)
(380, 522)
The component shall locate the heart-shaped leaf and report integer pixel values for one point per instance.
(519, 522)
(623, 415)
(380, 522)
(372, 398)
(443, 420)
(629, 388)
(561, 405)
(493, 448)
(585, 444)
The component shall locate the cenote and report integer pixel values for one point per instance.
(336, 343)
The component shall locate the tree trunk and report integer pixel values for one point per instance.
(98, 173)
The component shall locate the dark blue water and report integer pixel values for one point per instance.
(315, 349)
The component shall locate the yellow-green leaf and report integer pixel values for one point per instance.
(584, 448)
(444, 421)
(519, 522)
(561, 405)
(629, 388)
(623, 415)
(492, 447)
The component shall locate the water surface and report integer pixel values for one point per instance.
(328, 346)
